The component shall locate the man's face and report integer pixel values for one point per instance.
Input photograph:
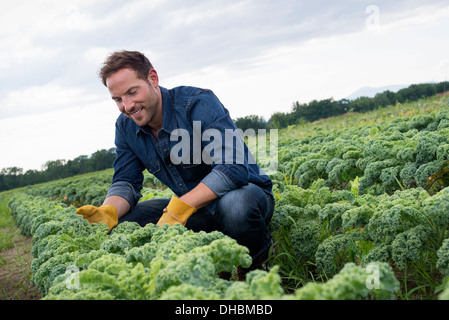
(136, 98)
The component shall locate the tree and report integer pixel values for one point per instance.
(280, 120)
(13, 177)
(251, 122)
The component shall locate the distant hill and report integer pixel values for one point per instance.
(371, 91)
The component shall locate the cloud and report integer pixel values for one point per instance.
(410, 17)
(329, 66)
(28, 141)
(96, 55)
(258, 56)
(42, 99)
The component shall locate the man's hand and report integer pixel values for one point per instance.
(106, 213)
(177, 211)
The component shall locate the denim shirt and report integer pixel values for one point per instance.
(187, 113)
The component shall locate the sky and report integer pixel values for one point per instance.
(257, 56)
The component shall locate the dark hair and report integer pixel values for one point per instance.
(126, 59)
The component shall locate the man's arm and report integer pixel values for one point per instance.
(122, 205)
(230, 168)
(179, 210)
(200, 196)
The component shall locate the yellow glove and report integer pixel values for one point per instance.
(177, 211)
(107, 214)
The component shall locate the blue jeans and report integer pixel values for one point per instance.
(242, 214)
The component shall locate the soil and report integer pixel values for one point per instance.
(15, 272)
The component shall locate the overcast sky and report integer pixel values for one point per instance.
(258, 56)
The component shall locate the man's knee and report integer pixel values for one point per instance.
(244, 197)
(244, 205)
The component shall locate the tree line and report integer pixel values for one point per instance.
(320, 109)
(14, 177)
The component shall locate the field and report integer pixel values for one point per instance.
(362, 212)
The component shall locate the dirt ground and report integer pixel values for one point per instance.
(15, 272)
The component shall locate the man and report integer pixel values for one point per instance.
(216, 186)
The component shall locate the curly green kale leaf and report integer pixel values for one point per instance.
(443, 258)
(200, 266)
(257, 286)
(283, 217)
(187, 291)
(108, 277)
(332, 213)
(407, 246)
(305, 237)
(376, 281)
(337, 250)
(396, 214)
(126, 227)
(436, 208)
(381, 253)
(117, 243)
(356, 217)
